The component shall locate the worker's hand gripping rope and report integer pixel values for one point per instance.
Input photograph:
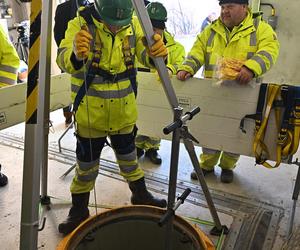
(81, 44)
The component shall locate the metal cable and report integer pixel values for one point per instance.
(87, 107)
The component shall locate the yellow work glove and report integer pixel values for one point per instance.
(81, 44)
(158, 48)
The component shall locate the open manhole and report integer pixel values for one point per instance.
(134, 228)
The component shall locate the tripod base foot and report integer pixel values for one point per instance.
(45, 200)
(217, 232)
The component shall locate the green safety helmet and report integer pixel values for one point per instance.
(115, 12)
(157, 11)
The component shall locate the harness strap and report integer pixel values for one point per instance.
(285, 135)
(96, 46)
(260, 149)
(295, 120)
(93, 64)
(258, 116)
(289, 133)
(285, 101)
(88, 13)
(129, 59)
(107, 77)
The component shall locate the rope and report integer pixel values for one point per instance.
(87, 107)
(208, 223)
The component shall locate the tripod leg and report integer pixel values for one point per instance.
(295, 198)
(23, 51)
(172, 185)
(63, 134)
(68, 171)
(173, 168)
(297, 185)
(191, 150)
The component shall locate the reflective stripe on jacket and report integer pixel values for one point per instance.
(9, 61)
(253, 41)
(111, 106)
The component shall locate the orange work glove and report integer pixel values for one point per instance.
(158, 48)
(81, 44)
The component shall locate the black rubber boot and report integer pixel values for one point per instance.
(77, 214)
(226, 176)
(3, 179)
(205, 172)
(141, 196)
(153, 156)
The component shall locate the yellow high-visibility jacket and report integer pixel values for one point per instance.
(111, 106)
(253, 41)
(176, 52)
(9, 61)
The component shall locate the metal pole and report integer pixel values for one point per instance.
(31, 168)
(173, 178)
(295, 198)
(191, 150)
(144, 19)
(44, 94)
(63, 134)
(34, 151)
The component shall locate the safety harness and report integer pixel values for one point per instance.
(285, 101)
(93, 65)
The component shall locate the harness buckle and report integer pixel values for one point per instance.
(284, 88)
(257, 125)
(282, 137)
(296, 122)
(296, 114)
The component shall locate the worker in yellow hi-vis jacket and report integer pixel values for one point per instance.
(240, 37)
(99, 51)
(158, 15)
(9, 61)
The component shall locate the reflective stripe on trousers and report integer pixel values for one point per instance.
(88, 153)
(211, 157)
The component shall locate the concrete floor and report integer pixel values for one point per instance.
(253, 186)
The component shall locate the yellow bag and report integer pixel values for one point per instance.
(228, 68)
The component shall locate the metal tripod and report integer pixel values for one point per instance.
(180, 131)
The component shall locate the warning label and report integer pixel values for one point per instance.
(184, 102)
